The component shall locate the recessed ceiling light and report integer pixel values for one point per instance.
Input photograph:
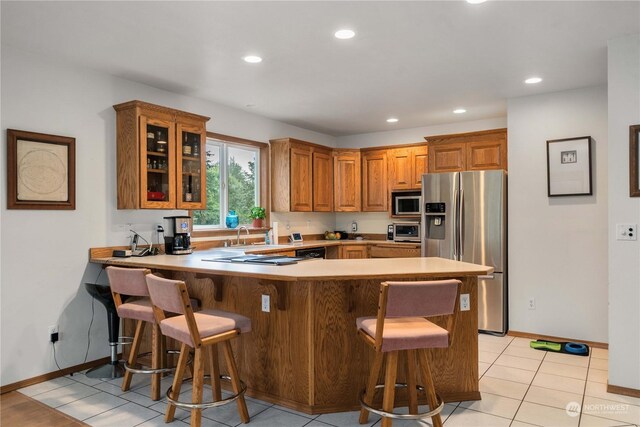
(533, 80)
(475, 1)
(392, 120)
(252, 59)
(459, 111)
(344, 34)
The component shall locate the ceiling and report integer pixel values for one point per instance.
(416, 61)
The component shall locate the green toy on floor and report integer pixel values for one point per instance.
(577, 349)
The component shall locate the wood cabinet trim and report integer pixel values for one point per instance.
(467, 135)
(175, 114)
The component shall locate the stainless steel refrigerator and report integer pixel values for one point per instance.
(465, 218)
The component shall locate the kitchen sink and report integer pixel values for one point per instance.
(258, 259)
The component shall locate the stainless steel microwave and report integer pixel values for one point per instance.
(406, 203)
(406, 232)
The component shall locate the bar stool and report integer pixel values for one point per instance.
(113, 369)
(400, 326)
(131, 298)
(200, 331)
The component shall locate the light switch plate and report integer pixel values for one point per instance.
(626, 231)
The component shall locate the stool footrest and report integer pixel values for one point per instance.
(419, 416)
(205, 405)
(147, 370)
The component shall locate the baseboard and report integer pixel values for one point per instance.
(593, 344)
(626, 391)
(51, 375)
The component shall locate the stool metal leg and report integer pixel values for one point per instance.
(389, 386)
(428, 385)
(198, 380)
(177, 382)
(235, 382)
(411, 381)
(371, 386)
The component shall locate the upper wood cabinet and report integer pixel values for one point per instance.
(406, 167)
(346, 181)
(375, 197)
(468, 151)
(160, 157)
(301, 176)
(322, 180)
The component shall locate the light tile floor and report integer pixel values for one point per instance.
(520, 387)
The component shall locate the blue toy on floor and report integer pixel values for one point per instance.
(577, 349)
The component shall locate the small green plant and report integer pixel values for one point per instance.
(257, 213)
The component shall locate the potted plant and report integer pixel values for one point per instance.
(257, 215)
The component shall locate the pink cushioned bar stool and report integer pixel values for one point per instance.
(131, 283)
(200, 331)
(400, 326)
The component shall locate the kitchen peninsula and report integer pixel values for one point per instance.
(304, 353)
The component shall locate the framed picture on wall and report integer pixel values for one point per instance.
(569, 167)
(634, 161)
(41, 171)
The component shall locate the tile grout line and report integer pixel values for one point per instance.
(528, 388)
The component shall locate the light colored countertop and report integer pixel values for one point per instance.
(313, 269)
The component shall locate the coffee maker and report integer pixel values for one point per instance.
(177, 238)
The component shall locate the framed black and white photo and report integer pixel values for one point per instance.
(569, 167)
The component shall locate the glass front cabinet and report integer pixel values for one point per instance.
(160, 157)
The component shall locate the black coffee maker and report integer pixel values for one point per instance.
(177, 238)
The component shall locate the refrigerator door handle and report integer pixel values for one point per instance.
(455, 226)
(461, 224)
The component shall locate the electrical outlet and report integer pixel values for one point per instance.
(465, 304)
(53, 333)
(626, 231)
(532, 304)
(266, 307)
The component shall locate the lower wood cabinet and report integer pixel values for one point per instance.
(391, 250)
(354, 252)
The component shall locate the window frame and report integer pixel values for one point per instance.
(262, 181)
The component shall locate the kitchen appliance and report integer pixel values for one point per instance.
(405, 203)
(390, 229)
(406, 232)
(465, 219)
(311, 253)
(177, 238)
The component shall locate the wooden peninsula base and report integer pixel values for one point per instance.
(305, 353)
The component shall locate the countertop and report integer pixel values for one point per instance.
(312, 269)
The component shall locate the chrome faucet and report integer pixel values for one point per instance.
(245, 229)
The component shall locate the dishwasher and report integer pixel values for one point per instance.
(311, 253)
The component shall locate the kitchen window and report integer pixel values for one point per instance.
(233, 178)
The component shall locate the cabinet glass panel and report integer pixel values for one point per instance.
(158, 162)
(191, 164)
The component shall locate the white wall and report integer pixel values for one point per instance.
(624, 256)
(45, 253)
(557, 246)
